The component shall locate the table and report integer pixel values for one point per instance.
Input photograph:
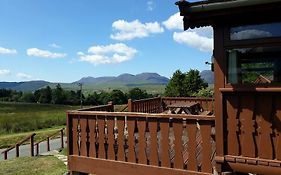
(184, 107)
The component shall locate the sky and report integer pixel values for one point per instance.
(65, 40)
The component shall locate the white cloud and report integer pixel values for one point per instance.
(7, 51)
(250, 34)
(24, 76)
(108, 54)
(174, 22)
(54, 45)
(150, 5)
(192, 39)
(4, 72)
(44, 53)
(135, 29)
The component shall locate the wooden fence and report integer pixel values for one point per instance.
(149, 105)
(34, 145)
(106, 143)
(109, 107)
(18, 144)
(48, 138)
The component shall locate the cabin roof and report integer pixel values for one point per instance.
(209, 12)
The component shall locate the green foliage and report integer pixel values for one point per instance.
(28, 97)
(137, 93)
(185, 84)
(118, 97)
(204, 92)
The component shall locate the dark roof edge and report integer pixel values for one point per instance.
(204, 6)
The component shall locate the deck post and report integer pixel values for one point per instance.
(130, 105)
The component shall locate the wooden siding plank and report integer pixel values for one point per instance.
(247, 103)
(191, 132)
(205, 129)
(75, 135)
(164, 127)
(110, 126)
(101, 151)
(83, 147)
(109, 167)
(142, 145)
(153, 142)
(92, 127)
(178, 130)
(277, 124)
(232, 125)
(120, 139)
(131, 140)
(263, 117)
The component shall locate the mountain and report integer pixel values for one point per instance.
(126, 79)
(208, 76)
(90, 83)
(24, 86)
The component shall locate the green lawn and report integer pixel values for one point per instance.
(24, 117)
(7, 140)
(42, 165)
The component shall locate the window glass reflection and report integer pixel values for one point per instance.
(255, 31)
(254, 65)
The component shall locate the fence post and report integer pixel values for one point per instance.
(61, 135)
(17, 150)
(5, 155)
(130, 105)
(48, 143)
(32, 145)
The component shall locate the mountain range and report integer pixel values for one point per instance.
(123, 80)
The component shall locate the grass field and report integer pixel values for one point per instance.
(43, 165)
(23, 117)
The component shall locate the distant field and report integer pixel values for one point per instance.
(23, 117)
(90, 88)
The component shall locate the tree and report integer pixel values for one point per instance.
(175, 86)
(185, 84)
(137, 93)
(58, 95)
(118, 97)
(193, 82)
(28, 97)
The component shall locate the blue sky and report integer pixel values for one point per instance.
(65, 40)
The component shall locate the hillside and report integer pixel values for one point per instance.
(126, 79)
(149, 81)
(208, 76)
(152, 82)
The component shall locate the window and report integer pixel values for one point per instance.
(255, 31)
(258, 65)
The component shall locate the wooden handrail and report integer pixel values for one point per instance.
(141, 115)
(47, 139)
(31, 137)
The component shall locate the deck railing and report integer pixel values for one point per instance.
(108, 107)
(107, 143)
(149, 105)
